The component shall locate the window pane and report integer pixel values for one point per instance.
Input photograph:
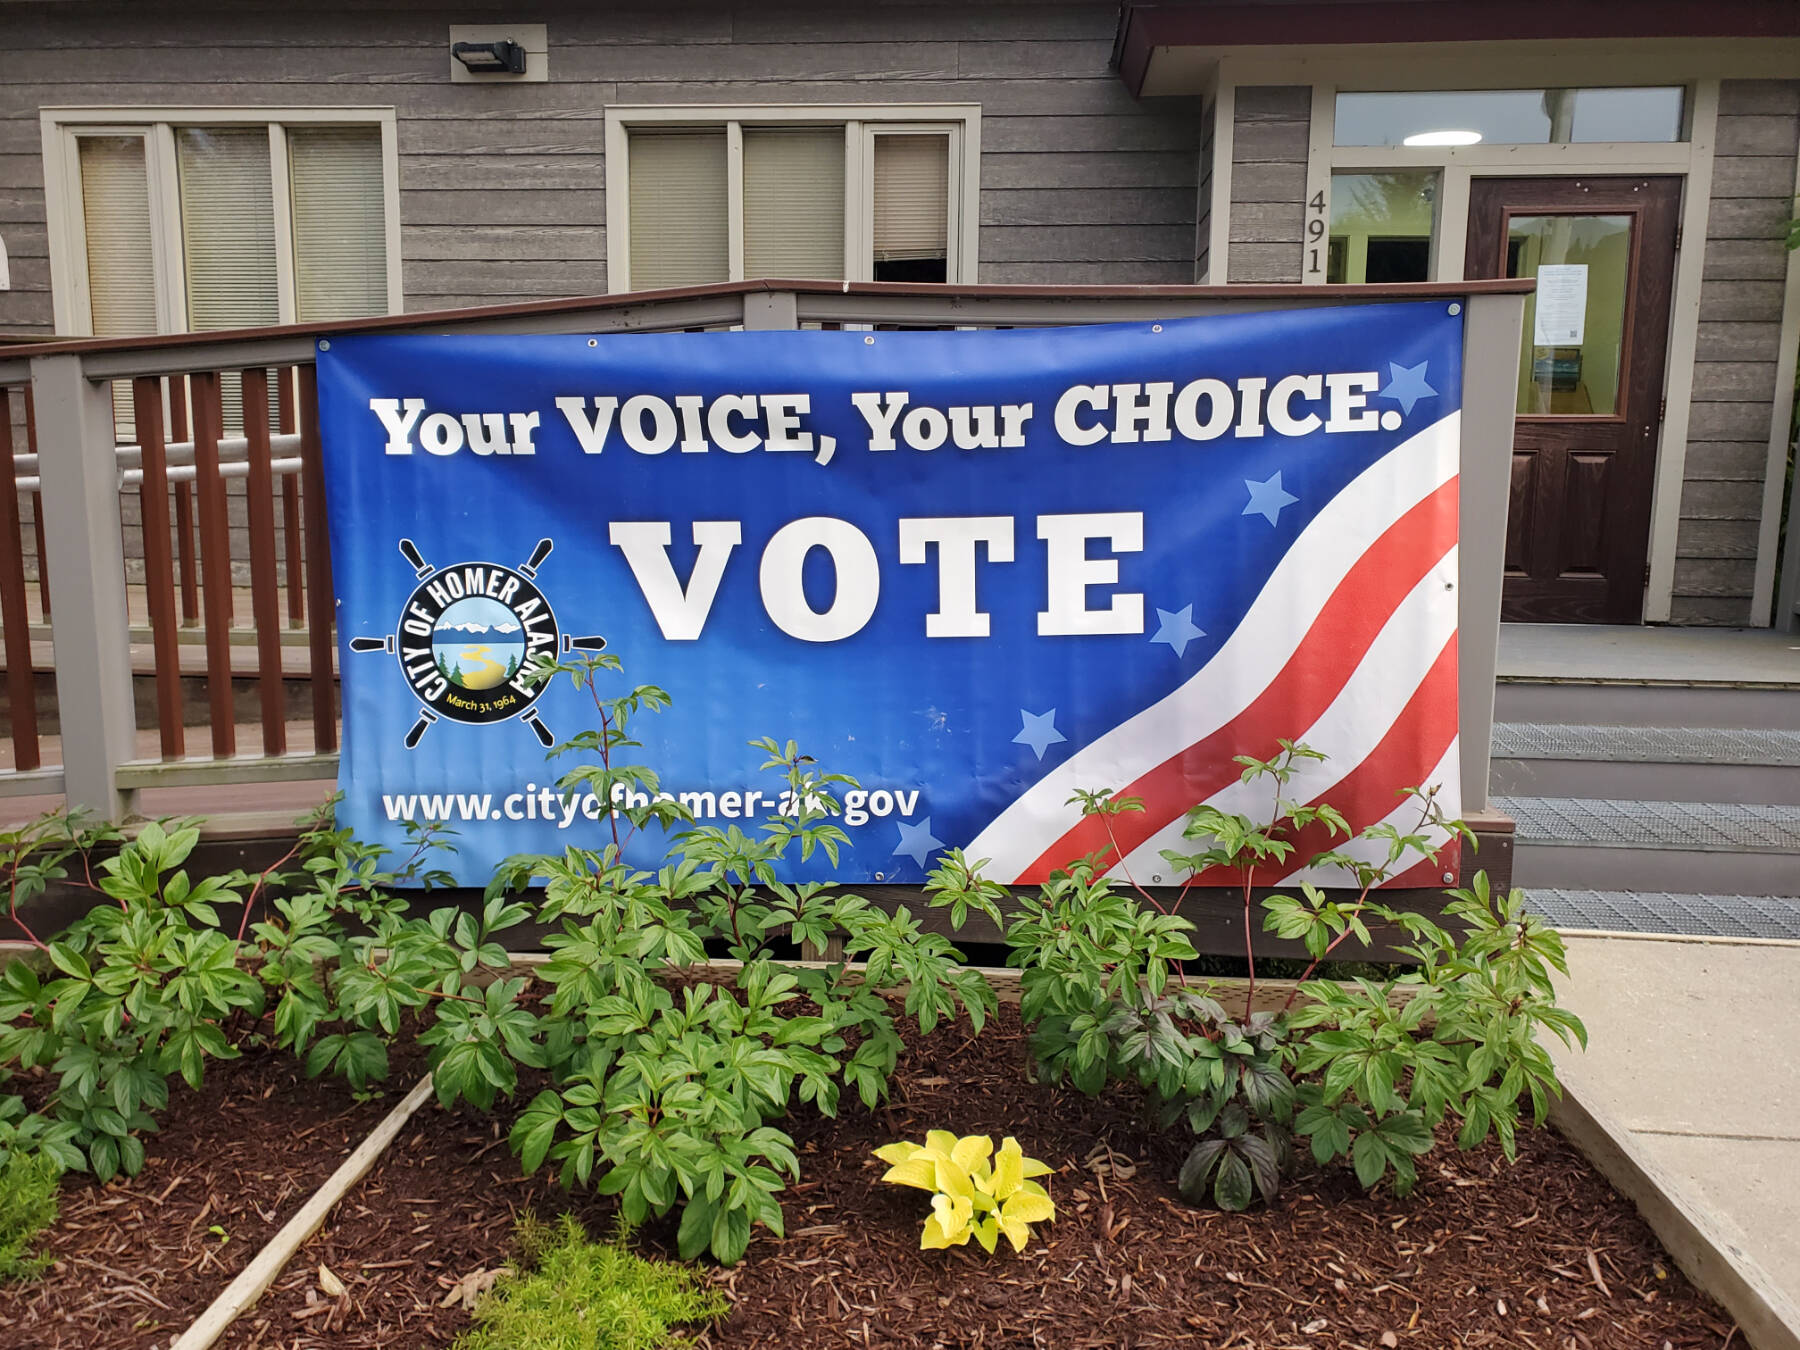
(1382, 226)
(794, 202)
(340, 222)
(1625, 115)
(912, 208)
(678, 217)
(115, 204)
(227, 227)
(1509, 116)
(1575, 322)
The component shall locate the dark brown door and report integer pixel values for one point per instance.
(1589, 384)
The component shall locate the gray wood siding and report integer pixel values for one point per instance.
(502, 187)
(1736, 377)
(1270, 129)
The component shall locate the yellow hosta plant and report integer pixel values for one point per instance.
(976, 1191)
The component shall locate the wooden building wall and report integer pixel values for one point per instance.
(1743, 280)
(502, 187)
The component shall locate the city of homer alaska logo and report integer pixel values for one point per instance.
(469, 638)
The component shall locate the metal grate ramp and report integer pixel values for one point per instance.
(1753, 916)
(1645, 745)
(1643, 824)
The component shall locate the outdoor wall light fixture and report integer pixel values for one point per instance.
(490, 58)
(1443, 138)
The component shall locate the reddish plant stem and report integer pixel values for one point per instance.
(12, 904)
(1355, 912)
(256, 890)
(1249, 946)
(1180, 974)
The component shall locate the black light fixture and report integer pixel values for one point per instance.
(504, 57)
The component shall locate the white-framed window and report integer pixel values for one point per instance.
(197, 219)
(708, 194)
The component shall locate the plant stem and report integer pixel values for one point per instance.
(1249, 946)
(250, 900)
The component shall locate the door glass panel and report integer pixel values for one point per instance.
(1575, 322)
(1382, 226)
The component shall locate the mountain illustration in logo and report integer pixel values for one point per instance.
(477, 643)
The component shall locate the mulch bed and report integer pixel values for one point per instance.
(139, 1259)
(1540, 1255)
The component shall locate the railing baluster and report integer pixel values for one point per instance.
(159, 565)
(37, 509)
(21, 692)
(215, 560)
(265, 601)
(318, 567)
(290, 509)
(184, 508)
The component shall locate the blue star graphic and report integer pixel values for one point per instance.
(1177, 628)
(1266, 499)
(1406, 385)
(917, 841)
(1039, 731)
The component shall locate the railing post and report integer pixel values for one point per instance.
(80, 500)
(764, 310)
(1490, 361)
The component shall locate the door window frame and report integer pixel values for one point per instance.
(1457, 166)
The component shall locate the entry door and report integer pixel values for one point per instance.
(1589, 383)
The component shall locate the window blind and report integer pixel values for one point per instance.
(912, 197)
(227, 227)
(340, 223)
(115, 203)
(678, 213)
(227, 239)
(794, 202)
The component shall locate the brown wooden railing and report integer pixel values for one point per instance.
(112, 632)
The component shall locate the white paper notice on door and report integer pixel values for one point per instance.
(1561, 305)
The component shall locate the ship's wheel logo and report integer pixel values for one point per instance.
(470, 639)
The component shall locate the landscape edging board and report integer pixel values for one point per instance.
(243, 1292)
(1686, 1228)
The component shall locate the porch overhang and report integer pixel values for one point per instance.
(1171, 46)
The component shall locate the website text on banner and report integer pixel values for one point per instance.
(974, 570)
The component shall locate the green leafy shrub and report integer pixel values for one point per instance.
(1365, 1070)
(666, 1088)
(28, 1184)
(582, 1295)
(150, 983)
(666, 1097)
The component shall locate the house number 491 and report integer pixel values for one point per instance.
(1315, 237)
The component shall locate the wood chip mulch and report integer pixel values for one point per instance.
(1541, 1255)
(139, 1259)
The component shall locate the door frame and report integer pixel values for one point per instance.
(1691, 160)
(1642, 359)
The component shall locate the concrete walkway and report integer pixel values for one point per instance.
(1688, 1097)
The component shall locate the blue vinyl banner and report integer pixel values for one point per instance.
(974, 570)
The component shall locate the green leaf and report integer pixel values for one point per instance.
(1232, 1189)
(1370, 1158)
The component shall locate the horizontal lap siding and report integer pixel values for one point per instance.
(502, 187)
(1736, 376)
(1270, 133)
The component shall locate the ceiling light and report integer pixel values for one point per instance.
(1443, 138)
